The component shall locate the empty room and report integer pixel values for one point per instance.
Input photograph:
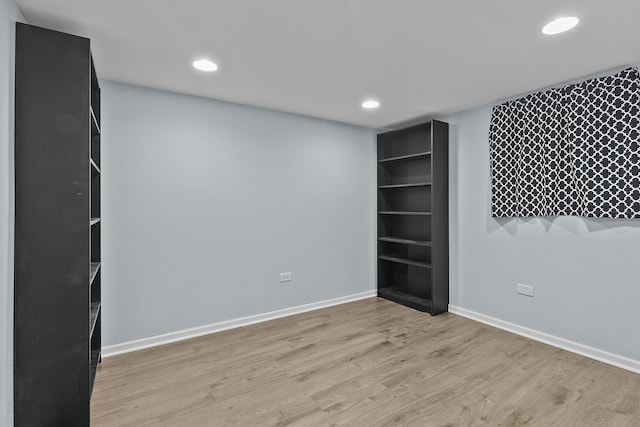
(319, 213)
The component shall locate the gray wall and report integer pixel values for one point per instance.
(205, 203)
(9, 14)
(586, 272)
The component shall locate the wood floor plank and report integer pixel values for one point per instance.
(367, 363)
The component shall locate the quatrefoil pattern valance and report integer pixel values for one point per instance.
(573, 150)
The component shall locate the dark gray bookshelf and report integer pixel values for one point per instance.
(57, 303)
(413, 210)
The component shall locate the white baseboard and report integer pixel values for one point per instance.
(572, 346)
(126, 347)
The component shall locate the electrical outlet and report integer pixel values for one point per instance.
(285, 277)
(524, 289)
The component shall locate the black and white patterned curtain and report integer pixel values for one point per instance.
(573, 150)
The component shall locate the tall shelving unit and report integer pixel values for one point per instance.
(413, 225)
(95, 297)
(57, 303)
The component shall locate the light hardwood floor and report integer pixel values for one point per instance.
(367, 363)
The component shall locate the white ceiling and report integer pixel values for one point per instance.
(419, 58)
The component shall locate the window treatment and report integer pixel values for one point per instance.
(573, 150)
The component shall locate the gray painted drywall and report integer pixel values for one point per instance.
(205, 203)
(586, 272)
(9, 14)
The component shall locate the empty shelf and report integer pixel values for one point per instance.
(95, 266)
(405, 241)
(417, 184)
(405, 261)
(404, 298)
(406, 157)
(95, 127)
(95, 166)
(95, 310)
(403, 213)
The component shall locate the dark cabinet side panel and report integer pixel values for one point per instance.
(52, 134)
(440, 217)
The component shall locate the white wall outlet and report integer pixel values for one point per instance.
(524, 289)
(285, 277)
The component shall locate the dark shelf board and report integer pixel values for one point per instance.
(401, 297)
(405, 157)
(404, 261)
(416, 184)
(403, 213)
(95, 311)
(94, 221)
(95, 266)
(95, 128)
(95, 166)
(405, 241)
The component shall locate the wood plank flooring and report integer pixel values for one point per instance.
(367, 363)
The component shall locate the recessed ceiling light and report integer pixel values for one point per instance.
(560, 25)
(370, 104)
(204, 65)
